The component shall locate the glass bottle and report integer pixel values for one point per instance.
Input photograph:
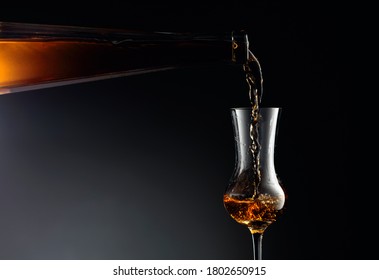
(34, 56)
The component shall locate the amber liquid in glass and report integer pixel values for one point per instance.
(256, 213)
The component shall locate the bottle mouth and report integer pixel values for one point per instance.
(240, 46)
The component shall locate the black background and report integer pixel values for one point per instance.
(135, 168)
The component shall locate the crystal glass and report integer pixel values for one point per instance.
(254, 196)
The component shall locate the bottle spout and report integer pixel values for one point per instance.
(240, 47)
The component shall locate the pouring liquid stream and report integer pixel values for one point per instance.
(255, 86)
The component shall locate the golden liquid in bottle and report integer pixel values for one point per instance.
(38, 63)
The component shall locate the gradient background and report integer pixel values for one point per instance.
(135, 167)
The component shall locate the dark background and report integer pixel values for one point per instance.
(135, 167)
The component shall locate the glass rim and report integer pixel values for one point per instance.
(250, 108)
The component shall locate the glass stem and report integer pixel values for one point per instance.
(257, 245)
